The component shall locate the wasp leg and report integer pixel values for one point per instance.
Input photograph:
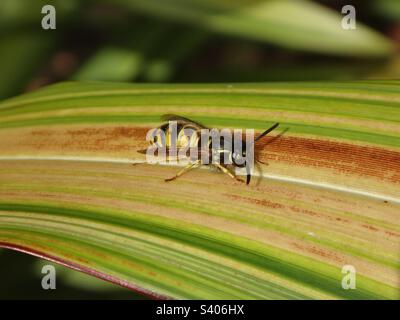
(262, 162)
(185, 169)
(138, 163)
(225, 170)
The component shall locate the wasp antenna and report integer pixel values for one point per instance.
(266, 132)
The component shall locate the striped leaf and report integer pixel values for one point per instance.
(329, 196)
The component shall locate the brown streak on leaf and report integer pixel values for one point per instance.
(261, 202)
(319, 252)
(340, 156)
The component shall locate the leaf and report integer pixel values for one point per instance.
(294, 24)
(154, 56)
(328, 197)
(111, 64)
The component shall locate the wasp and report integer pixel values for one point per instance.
(190, 143)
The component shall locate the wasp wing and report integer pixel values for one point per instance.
(182, 120)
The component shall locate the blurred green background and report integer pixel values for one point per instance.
(181, 41)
